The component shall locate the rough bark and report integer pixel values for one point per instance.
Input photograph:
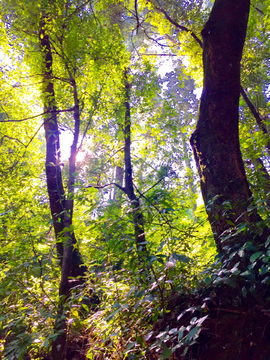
(215, 141)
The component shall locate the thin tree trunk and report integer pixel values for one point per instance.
(263, 179)
(191, 187)
(119, 177)
(215, 141)
(61, 207)
(53, 158)
(129, 187)
(72, 265)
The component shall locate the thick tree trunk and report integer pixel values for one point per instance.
(215, 141)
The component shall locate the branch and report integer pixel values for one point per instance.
(154, 185)
(91, 117)
(29, 142)
(11, 138)
(166, 220)
(151, 54)
(136, 15)
(35, 116)
(244, 95)
(117, 151)
(256, 115)
(110, 184)
(79, 8)
(152, 39)
(181, 27)
(259, 10)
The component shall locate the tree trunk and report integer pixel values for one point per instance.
(189, 172)
(61, 208)
(119, 177)
(72, 265)
(129, 187)
(215, 141)
(53, 158)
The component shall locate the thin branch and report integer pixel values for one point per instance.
(32, 138)
(152, 39)
(61, 79)
(26, 146)
(231, 311)
(35, 116)
(166, 220)
(259, 10)
(151, 54)
(256, 115)
(153, 185)
(117, 151)
(110, 184)
(180, 27)
(79, 8)
(136, 15)
(11, 138)
(41, 270)
(91, 118)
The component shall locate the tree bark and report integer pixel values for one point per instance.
(61, 207)
(129, 187)
(72, 264)
(215, 141)
(53, 157)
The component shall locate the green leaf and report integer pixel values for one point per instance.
(130, 346)
(193, 334)
(255, 256)
(230, 222)
(230, 281)
(181, 333)
(182, 258)
(166, 352)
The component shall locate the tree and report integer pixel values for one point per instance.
(216, 139)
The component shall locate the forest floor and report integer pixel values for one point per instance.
(234, 328)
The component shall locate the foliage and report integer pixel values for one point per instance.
(123, 298)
